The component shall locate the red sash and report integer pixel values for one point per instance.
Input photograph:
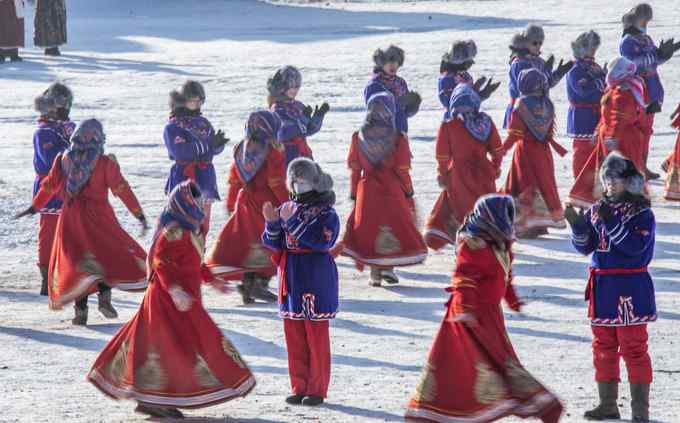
(589, 294)
(190, 168)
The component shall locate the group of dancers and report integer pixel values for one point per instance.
(171, 355)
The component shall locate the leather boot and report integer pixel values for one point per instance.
(246, 287)
(52, 51)
(44, 274)
(80, 318)
(261, 289)
(389, 276)
(376, 277)
(105, 306)
(607, 409)
(639, 402)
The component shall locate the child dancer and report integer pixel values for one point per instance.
(453, 70)
(91, 251)
(301, 232)
(171, 354)
(298, 121)
(526, 54)
(387, 64)
(49, 140)
(672, 164)
(472, 372)
(239, 253)
(585, 86)
(531, 180)
(619, 232)
(192, 143)
(381, 232)
(621, 128)
(469, 155)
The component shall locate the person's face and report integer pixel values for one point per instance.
(292, 92)
(535, 47)
(194, 104)
(615, 187)
(391, 68)
(642, 23)
(591, 53)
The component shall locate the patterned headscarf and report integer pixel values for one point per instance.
(492, 219)
(534, 106)
(378, 134)
(185, 206)
(251, 153)
(622, 72)
(465, 103)
(87, 145)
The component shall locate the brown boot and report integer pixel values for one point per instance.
(80, 318)
(44, 274)
(105, 306)
(261, 289)
(246, 288)
(639, 402)
(607, 409)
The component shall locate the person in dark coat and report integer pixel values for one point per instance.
(11, 29)
(50, 25)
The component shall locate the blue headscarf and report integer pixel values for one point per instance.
(251, 153)
(534, 106)
(185, 206)
(492, 219)
(465, 102)
(87, 145)
(378, 134)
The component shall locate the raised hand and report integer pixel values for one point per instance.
(550, 63)
(320, 112)
(269, 212)
(307, 111)
(218, 140)
(490, 87)
(479, 83)
(563, 67)
(287, 211)
(575, 218)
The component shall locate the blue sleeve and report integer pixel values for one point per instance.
(183, 146)
(583, 237)
(47, 145)
(372, 88)
(445, 88)
(319, 234)
(515, 68)
(273, 237)
(631, 50)
(314, 125)
(584, 85)
(633, 237)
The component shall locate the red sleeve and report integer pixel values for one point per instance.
(276, 175)
(469, 271)
(176, 260)
(53, 183)
(120, 187)
(403, 165)
(624, 112)
(235, 186)
(354, 167)
(516, 131)
(443, 150)
(495, 147)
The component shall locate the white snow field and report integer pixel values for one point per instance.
(122, 59)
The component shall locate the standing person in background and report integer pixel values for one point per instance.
(639, 48)
(526, 54)
(192, 143)
(50, 25)
(387, 64)
(50, 139)
(11, 29)
(453, 70)
(585, 86)
(298, 121)
(469, 155)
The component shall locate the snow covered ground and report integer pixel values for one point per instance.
(123, 58)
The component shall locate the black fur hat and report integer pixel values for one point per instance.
(306, 169)
(56, 96)
(188, 90)
(584, 43)
(392, 54)
(642, 10)
(284, 79)
(617, 166)
(461, 51)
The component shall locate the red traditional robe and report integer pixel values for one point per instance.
(474, 375)
(672, 166)
(468, 171)
(381, 230)
(90, 246)
(621, 128)
(235, 184)
(167, 357)
(531, 180)
(239, 246)
(11, 24)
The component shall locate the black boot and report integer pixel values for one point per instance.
(45, 277)
(261, 290)
(52, 51)
(295, 399)
(607, 409)
(2, 56)
(80, 318)
(14, 55)
(246, 288)
(158, 411)
(312, 401)
(105, 306)
(639, 402)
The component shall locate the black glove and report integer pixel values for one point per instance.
(605, 212)
(29, 211)
(563, 68)
(218, 140)
(409, 194)
(666, 49)
(575, 218)
(653, 107)
(550, 63)
(479, 83)
(320, 112)
(307, 111)
(411, 102)
(143, 222)
(488, 89)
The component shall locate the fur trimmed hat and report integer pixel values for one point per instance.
(461, 51)
(616, 166)
(284, 79)
(533, 33)
(307, 171)
(56, 96)
(584, 43)
(190, 89)
(392, 54)
(640, 11)
(519, 42)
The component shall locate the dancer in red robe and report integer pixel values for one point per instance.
(381, 231)
(621, 128)
(91, 251)
(469, 155)
(171, 354)
(531, 180)
(672, 164)
(473, 373)
(259, 164)
(11, 29)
